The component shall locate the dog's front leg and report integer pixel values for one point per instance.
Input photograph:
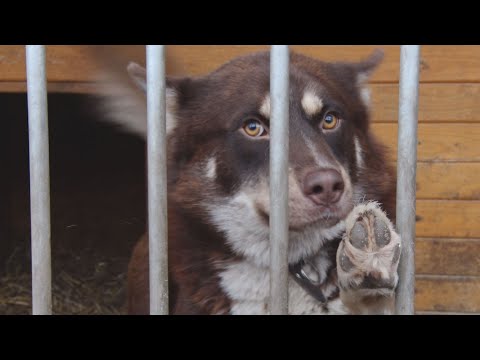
(367, 261)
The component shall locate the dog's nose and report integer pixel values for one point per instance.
(323, 187)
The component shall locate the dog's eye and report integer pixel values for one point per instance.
(330, 121)
(254, 128)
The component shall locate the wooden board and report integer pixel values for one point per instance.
(438, 142)
(455, 103)
(73, 63)
(448, 218)
(437, 102)
(438, 63)
(64, 63)
(454, 181)
(445, 313)
(447, 256)
(444, 293)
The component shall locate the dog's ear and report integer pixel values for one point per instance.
(139, 75)
(364, 69)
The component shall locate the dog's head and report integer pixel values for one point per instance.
(218, 148)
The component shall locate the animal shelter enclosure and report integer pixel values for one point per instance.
(112, 210)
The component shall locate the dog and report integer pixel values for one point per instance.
(343, 249)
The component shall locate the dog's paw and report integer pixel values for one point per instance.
(367, 258)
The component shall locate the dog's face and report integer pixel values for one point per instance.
(218, 128)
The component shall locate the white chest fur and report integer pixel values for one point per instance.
(248, 288)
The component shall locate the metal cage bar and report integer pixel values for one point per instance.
(157, 180)
(279, 98)
(39, 180)
(406, 174)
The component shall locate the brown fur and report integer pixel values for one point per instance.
(199, 292)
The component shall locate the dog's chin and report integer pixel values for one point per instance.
(323, 222)
(320, 218)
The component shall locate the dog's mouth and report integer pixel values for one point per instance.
(323, 217)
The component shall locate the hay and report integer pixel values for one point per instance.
(95, 288)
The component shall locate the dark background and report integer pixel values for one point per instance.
(97, 182)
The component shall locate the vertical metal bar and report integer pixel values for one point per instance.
(39, 180)
(157, 180)
(406, 174)
(279, 98)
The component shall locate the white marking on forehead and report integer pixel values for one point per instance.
(358, 153)
(265, 107)
(311, 103)
(211, 168)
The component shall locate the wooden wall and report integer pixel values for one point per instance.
(448, 185)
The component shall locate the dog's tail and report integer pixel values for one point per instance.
(123, 98)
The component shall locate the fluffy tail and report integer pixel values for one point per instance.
(123, 103)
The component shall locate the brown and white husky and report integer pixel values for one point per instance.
(343, 250)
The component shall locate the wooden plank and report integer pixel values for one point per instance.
(444, 313)
(444, 293)
(73, 63)
(64, 63)
(454, 181)
(56, 87)
(448, 218)
(437, 103)
(437, 142)
(447, 256)
(438, 63)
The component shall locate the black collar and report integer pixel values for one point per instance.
(311, 287)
